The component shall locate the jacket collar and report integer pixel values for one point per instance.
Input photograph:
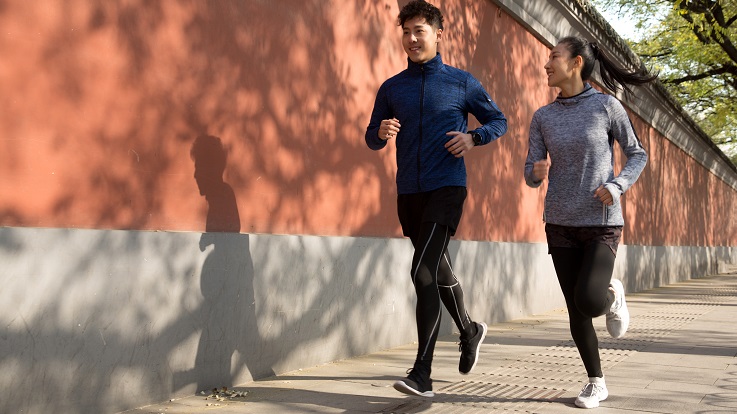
(573, 100)
(432, 65)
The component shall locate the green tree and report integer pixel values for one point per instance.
(693, 44)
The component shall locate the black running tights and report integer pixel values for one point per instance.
(433, 278)
(584, 275)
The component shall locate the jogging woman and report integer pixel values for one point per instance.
(571, 145)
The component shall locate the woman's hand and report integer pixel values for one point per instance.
(604, 195)
(540, 169)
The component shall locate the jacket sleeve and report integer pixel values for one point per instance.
(622, 130)
(493, 122)
(381, 111)
(536, 151)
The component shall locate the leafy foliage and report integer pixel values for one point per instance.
(692, 44)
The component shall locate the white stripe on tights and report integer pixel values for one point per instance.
(458, 312)
(440, 308)
(424, 249)
(452, 272)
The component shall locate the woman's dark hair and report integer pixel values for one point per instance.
(416, 8)
(613, 75)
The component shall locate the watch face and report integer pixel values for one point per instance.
(476, 138)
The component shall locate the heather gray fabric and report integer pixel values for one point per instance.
(579, 132)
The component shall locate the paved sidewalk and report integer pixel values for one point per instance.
(679, 356)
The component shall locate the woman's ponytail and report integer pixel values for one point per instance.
(613, 75)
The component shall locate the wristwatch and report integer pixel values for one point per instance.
(476, 137)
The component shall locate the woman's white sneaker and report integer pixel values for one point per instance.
(591, 394)
(618, 317)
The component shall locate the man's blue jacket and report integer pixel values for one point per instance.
(430, 100)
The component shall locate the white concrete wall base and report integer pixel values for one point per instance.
(101, 321)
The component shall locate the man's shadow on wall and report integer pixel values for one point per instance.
(227, 314)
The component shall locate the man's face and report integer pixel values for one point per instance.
(420, 40)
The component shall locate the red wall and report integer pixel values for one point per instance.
(677, 201)
(102, 101)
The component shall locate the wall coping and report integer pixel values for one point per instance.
(553, 19)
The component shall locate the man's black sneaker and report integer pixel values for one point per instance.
(418, 382)
(469, 348)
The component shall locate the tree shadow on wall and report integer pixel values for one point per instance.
(212, 63)
(227, 314)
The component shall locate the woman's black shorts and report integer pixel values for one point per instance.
(580, 237)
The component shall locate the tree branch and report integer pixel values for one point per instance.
(731, 69)
(718, 14)
(657, 55)
(707, 37)
(703, 38)
(699, 7)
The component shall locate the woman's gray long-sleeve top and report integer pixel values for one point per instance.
(579, 133)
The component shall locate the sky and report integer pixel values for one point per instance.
(624, 26)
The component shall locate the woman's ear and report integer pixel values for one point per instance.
(578, 61)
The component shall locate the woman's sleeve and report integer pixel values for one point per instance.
(536, 151)
(623, 131)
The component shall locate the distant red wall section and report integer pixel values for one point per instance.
(103, 100)
(676, 200)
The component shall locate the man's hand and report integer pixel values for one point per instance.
(459, 144)
(389, 129)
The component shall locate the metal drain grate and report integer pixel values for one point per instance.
(480, 391)
(470, 397)
(429, 408)
(558, 368)
(541, 378)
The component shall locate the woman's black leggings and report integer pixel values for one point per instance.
(584, 275)
(433, 278)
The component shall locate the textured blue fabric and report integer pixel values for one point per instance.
(430, 100)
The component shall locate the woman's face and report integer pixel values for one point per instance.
(561, 68)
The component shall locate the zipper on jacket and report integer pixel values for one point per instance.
(419, 146)
(604, 215)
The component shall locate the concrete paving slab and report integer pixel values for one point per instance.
(677, 394)
(678, 357)
(676, 360)
(666, 373)
(722, 401)
(683, 387)
(655, 405)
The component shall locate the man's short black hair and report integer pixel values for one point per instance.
(421, 8)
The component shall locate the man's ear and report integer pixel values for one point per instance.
(439, 34)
